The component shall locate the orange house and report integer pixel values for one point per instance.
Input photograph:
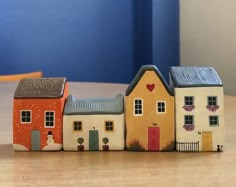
(150, 124)
(38, 114)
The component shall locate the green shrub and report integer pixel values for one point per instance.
(80, 140)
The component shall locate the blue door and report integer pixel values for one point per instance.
(35, 140)
(93, 140)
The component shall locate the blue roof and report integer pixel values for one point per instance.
(184, 76)
(141, 72)
(94, 105)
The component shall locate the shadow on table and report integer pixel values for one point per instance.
(6, 150)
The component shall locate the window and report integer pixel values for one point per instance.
(189, 123)
(213, 120)
(26, 116)
(212, 104)
(49, 119)
(212, 101)
(188, 120)
(161, 107)
(109, 126)
(138, 107)
(77, 126)
(188, 101)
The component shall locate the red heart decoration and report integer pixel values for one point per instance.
(150, 87)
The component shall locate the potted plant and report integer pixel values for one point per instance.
(105, 140)
(80, 146)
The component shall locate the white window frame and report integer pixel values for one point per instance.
(157, 107)
(22, 122)
(46, 120)
(135, 105)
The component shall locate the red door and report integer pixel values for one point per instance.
(153, 138)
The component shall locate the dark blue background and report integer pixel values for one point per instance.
(88, 40)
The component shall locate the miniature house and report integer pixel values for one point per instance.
(149, 112)
(94, 124)
(38, 114)
(199, 101)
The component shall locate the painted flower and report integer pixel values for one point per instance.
(135, 145)
(212, 108)
(189, 127)
(188, 108)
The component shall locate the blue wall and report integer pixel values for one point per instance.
(88, 40)
(143, 41)
(165, 34)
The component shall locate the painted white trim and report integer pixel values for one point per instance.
(157, 107)
(53, 119)
(21, 116)
(134, 107)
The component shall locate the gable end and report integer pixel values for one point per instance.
(139, 75)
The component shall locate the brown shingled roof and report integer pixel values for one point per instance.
(40, 88)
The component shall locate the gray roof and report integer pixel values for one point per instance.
(139, 75)
(184, 76)
(40, 88)
(94, 105)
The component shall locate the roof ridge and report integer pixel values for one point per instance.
(94, 105)
(139, 75)
(40, 88)
(195, 76)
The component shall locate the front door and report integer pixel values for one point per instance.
(35, 140)
(206, 141)
(93, 140)
(153, 138)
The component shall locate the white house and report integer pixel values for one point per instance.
(94, 124)
(199, 102)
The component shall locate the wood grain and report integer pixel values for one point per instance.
(118, 168)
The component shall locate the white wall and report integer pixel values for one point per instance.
(201, 115)
(89, 122)
(208, 37)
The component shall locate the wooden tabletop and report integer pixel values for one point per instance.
(114, 168)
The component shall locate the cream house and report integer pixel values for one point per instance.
(199, 103)
(94, 124)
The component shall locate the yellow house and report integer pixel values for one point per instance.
(150, 113)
